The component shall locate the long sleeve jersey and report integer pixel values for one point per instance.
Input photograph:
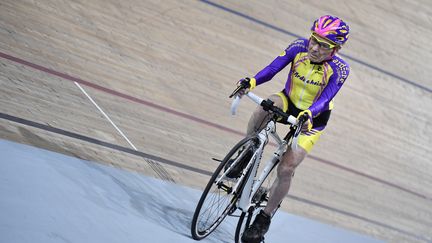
(309, 85)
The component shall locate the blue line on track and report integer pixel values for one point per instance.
(187, 167)
(273, 27)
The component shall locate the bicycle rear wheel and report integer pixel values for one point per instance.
(221, 193)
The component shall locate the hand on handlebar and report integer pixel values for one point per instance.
(307, 126)
(244, 85)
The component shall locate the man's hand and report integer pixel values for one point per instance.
(307, 126)
(248, 85)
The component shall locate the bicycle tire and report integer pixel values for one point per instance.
(218, 208)
(243, 224)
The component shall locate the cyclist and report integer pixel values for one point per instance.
(316, 75)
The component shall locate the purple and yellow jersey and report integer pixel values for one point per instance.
(309, 85)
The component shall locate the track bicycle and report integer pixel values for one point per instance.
(224, 194)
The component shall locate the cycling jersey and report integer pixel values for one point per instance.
(309, 85)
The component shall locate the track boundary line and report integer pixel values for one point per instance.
(281, 30)
(157, 159)
(190, 117)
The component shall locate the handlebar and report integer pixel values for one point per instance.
(267, 106)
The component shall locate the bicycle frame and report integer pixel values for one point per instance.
(253, 182)
(228, 191)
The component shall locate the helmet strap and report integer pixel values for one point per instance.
(334, 51)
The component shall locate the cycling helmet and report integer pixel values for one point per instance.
(331, 28)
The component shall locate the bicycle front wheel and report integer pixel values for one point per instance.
(244, 222)
(259, 202)
(221, 193)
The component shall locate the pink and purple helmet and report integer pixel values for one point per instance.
(332, 28)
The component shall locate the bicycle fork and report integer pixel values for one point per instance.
(246, 193)
(251, 186)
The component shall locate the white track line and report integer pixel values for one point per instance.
(106, 116)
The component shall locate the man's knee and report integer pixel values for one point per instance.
(286, 169)
(290, 160)
(259, 116)
(256, 120)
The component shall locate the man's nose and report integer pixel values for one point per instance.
(315, 47)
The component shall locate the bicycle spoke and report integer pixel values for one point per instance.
(216, 204)
(219, 198)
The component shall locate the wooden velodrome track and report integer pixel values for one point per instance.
(162, 71)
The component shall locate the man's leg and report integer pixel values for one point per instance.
(285, 170)
(260, 117)
(257, 121)
(290, 160)
(262, 221)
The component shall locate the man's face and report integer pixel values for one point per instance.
(320, 49)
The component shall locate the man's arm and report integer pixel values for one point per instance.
(340, 74)
(280, 62)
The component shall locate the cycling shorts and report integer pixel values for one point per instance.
(306, 140)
